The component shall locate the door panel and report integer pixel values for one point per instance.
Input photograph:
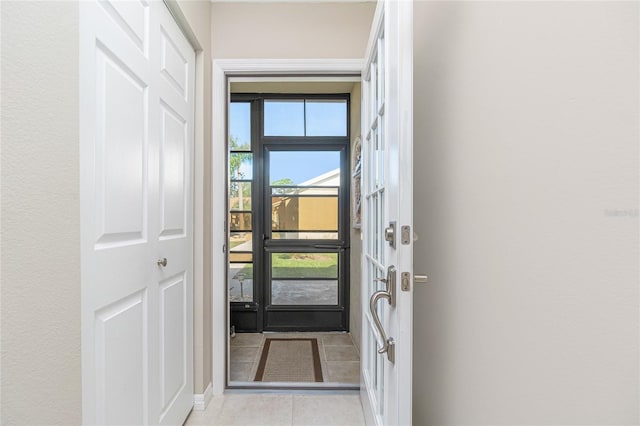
(121, 146)
(174, 337)
(136, 179)
(133, 19)
(176, 93)
(386, 363)
(121, 361)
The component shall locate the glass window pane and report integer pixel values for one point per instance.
(240, 222)
(240, 257)
(241, 282)
(304, 213)
(240, 126)
(326, 118)
(240, 241)
(304, 168)
(298, 235)
(241, 166)
(304, 278)
(304, 265)
(284, 118)
(240, 195)
(299, 292)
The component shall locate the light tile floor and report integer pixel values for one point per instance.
(339, 357)
(280, 409)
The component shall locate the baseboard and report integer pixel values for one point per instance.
(201, 400)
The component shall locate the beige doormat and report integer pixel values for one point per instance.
(289, 360)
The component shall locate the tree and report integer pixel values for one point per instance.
(283, 182)
(236, 159)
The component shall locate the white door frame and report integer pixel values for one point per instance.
(223, 69)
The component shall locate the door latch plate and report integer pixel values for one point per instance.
(405, 281)
(405, 235)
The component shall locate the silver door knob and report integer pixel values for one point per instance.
(162, 262)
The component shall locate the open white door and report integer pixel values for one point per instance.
(137, 114)
(387, 217)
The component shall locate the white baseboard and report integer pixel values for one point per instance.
(201, 400)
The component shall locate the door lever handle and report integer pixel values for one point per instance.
(390, 284)
(388, 344)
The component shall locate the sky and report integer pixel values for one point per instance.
(287, 118)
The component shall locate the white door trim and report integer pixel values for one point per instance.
(221, 70)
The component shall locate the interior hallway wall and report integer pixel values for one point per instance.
(198, 17)
(40, 212)
(290, 30)
(41, 380)
(526, 203)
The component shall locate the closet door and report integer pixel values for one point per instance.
(136, 151)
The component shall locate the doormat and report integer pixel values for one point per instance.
(289, 360)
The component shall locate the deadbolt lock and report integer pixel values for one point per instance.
(390, 234)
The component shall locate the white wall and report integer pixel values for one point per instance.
(41, 381)
(290, 30)
(526, 203)
(197, 16)
(40, 214)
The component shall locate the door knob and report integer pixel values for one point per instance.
(162, 262)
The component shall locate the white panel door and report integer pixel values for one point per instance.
(175, 226)
(136, 152)
(387, 218)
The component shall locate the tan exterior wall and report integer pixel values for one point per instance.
(526, 204)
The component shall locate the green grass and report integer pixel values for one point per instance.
(233, 244)
(300, 265)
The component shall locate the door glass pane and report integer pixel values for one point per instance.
(240, 241)
(240, 195)
(304, 278)
(240, 166)
(241, 282)
(284, 118)
(304, 265)
(304, 194)
(240, 257)
(326, 118)
(298, 292)
(304, 168)
(240, 221)
(240, 126)
(305, 213)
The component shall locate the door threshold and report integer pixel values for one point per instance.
(292, 386)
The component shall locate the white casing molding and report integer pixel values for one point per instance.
(223, 69)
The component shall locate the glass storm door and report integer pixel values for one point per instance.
(305, 232)
(387, 218)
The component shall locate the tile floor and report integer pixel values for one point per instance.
(280, 409)
(339, 357)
